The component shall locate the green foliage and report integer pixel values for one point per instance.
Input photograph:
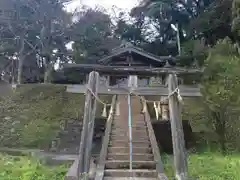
(32, 116)
(93, 36)
(236, 17)
(221, 86)
(222, 76)
(24, 168)
(209, 166)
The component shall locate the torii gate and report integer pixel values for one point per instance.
(133, 71)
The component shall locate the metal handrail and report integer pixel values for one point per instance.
(130, 130)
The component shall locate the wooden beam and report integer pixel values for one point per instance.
(126, 70)
(185, 91)
(179, 150)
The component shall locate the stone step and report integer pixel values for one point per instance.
(138, 150)
(126, 156)
(126, 119)
(129, 178)
(126, 132)
(134, 141)
(130, 173)
(143, 130)
(119, 119)
(126, 127)
(127, 144)
(134, 134)
(134, 126)
(126, 122)
(126, 138)
(125, 164)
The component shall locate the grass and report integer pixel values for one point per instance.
(204, 166)
(26, 168)
(33, 115)
(209, 166)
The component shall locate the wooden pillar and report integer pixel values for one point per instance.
(133, 81)
(87, 78)
(91, 122)
(180, 157)
(164, 109)
(107, 81)
(81, 165)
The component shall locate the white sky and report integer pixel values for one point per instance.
(126, 5)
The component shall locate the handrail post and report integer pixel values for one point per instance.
(91, 122)
(81, 164)
(179, 151)
(88, 100)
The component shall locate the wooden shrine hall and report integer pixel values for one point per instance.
(129, 146)
(148, 72)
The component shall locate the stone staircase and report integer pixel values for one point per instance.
(117, 164)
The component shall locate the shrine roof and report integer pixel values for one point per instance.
(128, 48)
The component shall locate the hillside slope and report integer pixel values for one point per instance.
(33, 115)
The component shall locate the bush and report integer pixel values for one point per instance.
(32, 116)
(209, 166)
(25, 168)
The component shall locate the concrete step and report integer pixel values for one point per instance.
(126, 138)
(130, 173)
(126, 135)
(138, 150)
(134, 123)
(134, 141)
(121, 131)
(125, 164)
(126, 144)
(126, 127)
(128, 178)
(126, 156)
(126, 120)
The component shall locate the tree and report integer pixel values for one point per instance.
(221, 86)
(92, 35)
(53, 22)
(37, 29)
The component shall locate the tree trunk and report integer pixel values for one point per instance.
(221, 134)
(220, 129)
(47, 73)
(21, 61)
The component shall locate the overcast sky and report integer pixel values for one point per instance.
(107, 4)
